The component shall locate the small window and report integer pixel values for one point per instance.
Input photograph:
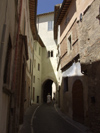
(70, 43)
(48, 53)
(33, 79)
(35, 46)
(51, 53)
(33, 93)
(39, 51)
(34, 63)
(30, 65)
(24, 25)
(38, 67)
(67, 20)
(50, 25)
(65, 84)
(6, 77)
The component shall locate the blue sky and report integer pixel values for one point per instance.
(45, 6)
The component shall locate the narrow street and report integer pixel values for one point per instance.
(50, 66)
(47, 120)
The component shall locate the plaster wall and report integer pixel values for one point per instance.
(49, 64)
(7, 13)
(37, 73)
(26, 30)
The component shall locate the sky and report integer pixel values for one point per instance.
(45, 6)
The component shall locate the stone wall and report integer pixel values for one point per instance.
(89, 37)
(66, 54)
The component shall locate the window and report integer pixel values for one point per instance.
(69, 43)
(35, 45)
(38, 67)
(30, 65)
(34, 63)
(39, 51)
(67, 20)
(24, 25)
(6, 77)
(50, 54)
(50, 25)
(33, 79)
(33, 93)
(65, 84)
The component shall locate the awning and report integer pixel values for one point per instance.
(74, 70)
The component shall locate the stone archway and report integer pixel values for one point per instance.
(78, 103)
(47, 88)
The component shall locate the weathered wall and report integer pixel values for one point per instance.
(89, 35)
(66, 54)
(49, 64)
(37, 73)
(7, 15)
(66, 92)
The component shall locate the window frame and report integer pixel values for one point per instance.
(50, 25)
(38, 66)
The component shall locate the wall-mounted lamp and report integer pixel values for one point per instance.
(90, 62)
(98, 17)
(84, 72)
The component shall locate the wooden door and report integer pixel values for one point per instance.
(78, 104)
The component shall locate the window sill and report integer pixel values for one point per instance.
(6, 90)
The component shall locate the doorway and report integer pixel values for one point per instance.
(47, 88)
(78, 103)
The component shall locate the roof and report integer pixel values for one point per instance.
(63, 9)
(57, 7)
(33, 11)
(59, 14)
(45, 13)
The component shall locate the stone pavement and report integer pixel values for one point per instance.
(26, 127)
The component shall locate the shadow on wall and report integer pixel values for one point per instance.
(68, 16)
(47, 88)
(49, 68)
(80, 95)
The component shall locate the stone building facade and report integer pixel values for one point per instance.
(89, 35)
(70, 64)
(16, 61)
(8, 33)
(79, 45)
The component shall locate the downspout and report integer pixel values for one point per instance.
(17, 38)
(13, 101)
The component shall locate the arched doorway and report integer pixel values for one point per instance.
(47, 88)
(78, 103)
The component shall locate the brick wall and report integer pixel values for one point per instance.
(89, 37)
(67, 56)
(19, 86)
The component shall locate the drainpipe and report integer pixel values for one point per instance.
(13, 102)
(17, 38)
